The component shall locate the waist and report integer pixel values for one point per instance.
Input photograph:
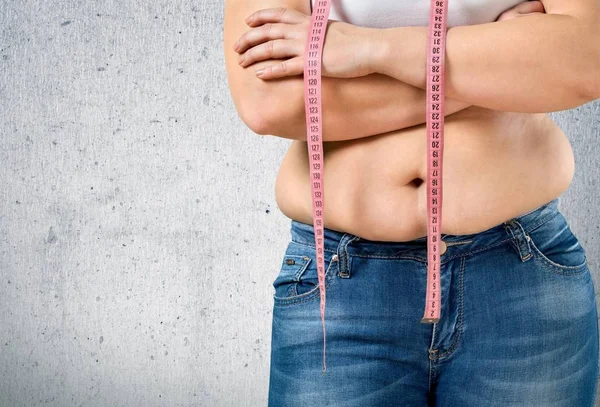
(416, 249)
(496, 165)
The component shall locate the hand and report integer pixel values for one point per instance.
(282, 33)
(522, 9)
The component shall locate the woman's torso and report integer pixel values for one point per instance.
(496, 166)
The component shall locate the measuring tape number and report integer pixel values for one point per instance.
(435, 146)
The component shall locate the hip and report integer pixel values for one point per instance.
(518, 319)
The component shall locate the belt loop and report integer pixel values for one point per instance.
(520, 239)
(342, 255)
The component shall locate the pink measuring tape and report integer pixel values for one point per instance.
(435, 146)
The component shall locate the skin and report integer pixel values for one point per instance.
(486, 154)
(281, 33)
(351, 51)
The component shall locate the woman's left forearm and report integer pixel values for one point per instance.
(533, 64)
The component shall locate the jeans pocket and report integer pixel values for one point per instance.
(297, 281)
(556, 248)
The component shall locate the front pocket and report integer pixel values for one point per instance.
(298, 280)
(556, 247)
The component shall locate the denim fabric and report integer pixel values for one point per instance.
(518, 323)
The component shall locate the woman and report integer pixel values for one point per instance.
(518, 319)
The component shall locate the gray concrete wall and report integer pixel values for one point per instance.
(139, 233)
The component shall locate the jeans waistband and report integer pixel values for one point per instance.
(344, 244)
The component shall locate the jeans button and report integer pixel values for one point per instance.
(443, 247)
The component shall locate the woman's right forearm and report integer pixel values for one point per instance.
(356, 108)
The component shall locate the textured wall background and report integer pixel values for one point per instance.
(139, 234)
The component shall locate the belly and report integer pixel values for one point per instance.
(496, 166)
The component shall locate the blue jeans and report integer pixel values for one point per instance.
(518, 323)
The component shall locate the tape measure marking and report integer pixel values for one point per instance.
(435, 140)
(436, 47)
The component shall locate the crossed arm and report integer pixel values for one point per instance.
(354, 108)
(375, 104)
(539, 64)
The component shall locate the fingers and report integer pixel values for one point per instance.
(259, 35)
(272, 37)
(530, 7)
(522, 9)
(279, 14)
(274, 49)
(290, 67)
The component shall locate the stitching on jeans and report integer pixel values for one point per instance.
(423, 260)
(373, 256)
(312, 246)
(303, 267)
(547, 263)
(558, 268)
(308, 296)
(540, 222)
(448, 244)
(346, 258)
(459, 326)
(432, 372)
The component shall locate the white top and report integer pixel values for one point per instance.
(396, 13)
